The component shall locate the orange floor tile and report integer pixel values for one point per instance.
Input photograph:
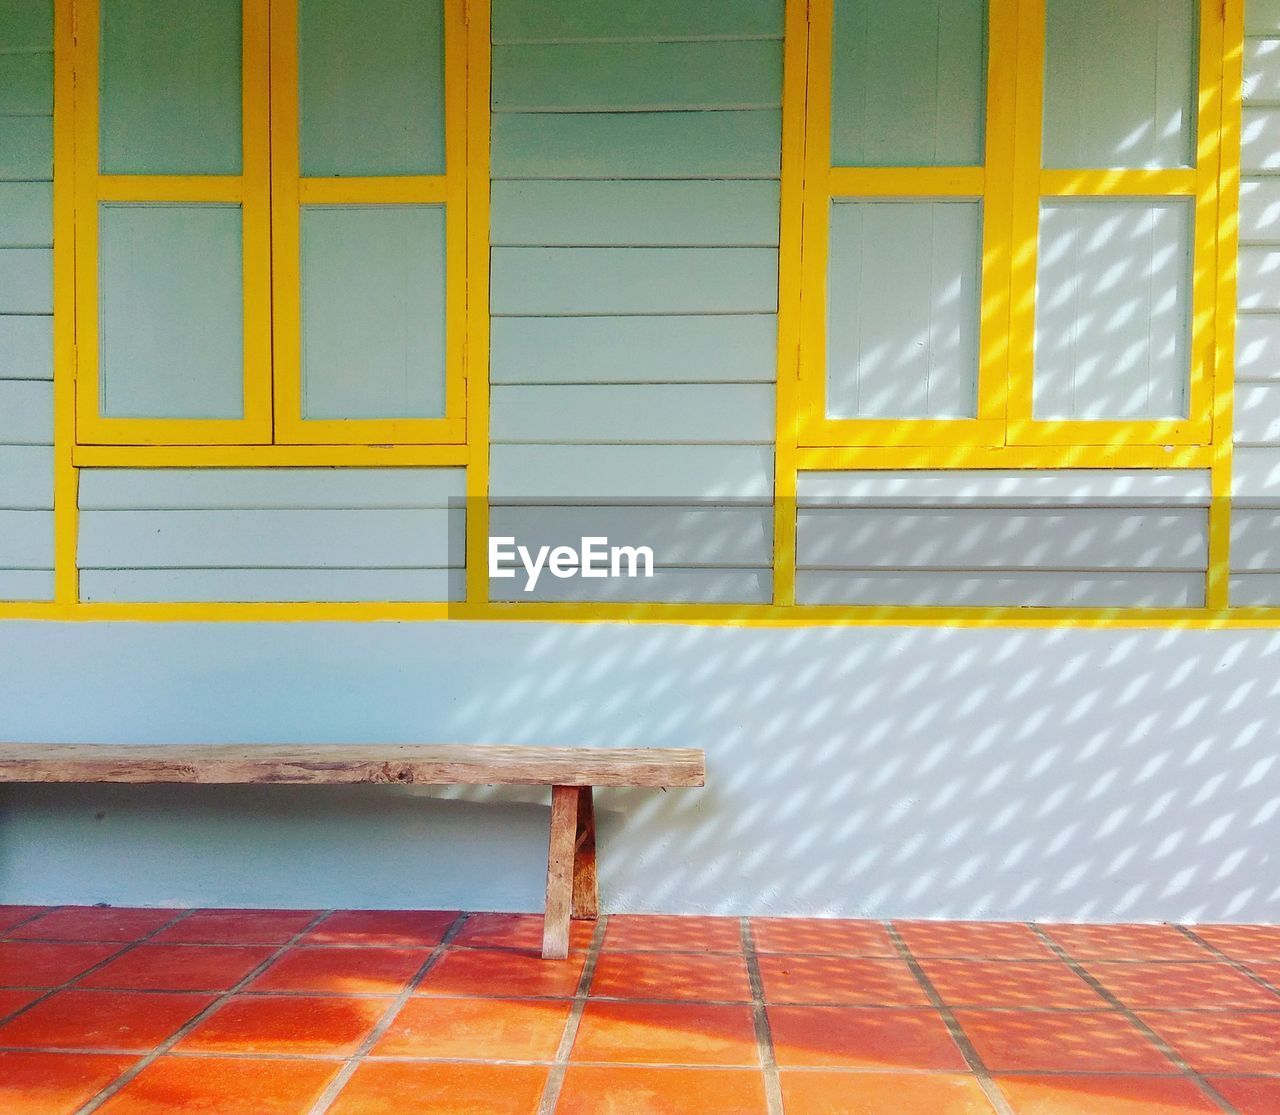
(376, 1013)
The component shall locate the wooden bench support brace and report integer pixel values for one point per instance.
(572, 891)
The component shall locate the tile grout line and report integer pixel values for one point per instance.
(1159, 1042)
(1240, 966)
(976, 1065)
(389, 1016)
(125, 948)
(684, 1001)
(40, 912)
(555, 1078)
(163, 1047)
(764, 1032)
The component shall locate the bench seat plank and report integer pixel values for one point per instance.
(330, 764)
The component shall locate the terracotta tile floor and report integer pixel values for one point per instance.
(283, 1012)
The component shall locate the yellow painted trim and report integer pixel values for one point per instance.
(1025, 212)
(1218, 583)
(66, 575)
(1178, 182)
(228, 189)
(84, 230)
(925, 181)
(286, 278)
(407, 190)
(270, 456)
(811, 387)
(790, 286)
(1172, 431)
(458, 111)
(290, 191)
(821, 431)
(1031, 183)
(475, 191)
(724, 615)
(997, 223)
(822, 183)
(904, 458)
(251, 190)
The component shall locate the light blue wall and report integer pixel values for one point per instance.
(886, 771)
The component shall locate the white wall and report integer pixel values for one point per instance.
(881, 771)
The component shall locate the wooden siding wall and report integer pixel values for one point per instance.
(271, 534)
(26, 300)
(1255, 518)
(635, 163)
(1082, 538)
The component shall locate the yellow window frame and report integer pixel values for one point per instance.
(1199, 184)
(270, 191)
(1010, 185)
(290, 191)
(250, 190)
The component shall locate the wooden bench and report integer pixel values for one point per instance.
(570, 772)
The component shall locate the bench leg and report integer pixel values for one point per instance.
(560, 859)
(586, 894)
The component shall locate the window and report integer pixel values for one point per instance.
(1009, 212)
(270, 222)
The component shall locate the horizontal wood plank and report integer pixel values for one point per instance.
(26, 148)
(733, 214)
(1258, 347)
(349, 539)
(538, 21)
(1003, 487)
(560, 281)
(26, 584)
(26, 281)
(1257, 414)
(732, 144)
(1255, 476)
(26, 84)
(26, 478)
(333, 764)
(703, 535)
(695, 413)
(688, 348)
(962, 539)
(683, 473)
(263, 489)
(26, 412)
(26, 214)
(26, 539)
(586, 77)
(26, 346)
(271, 585)
(1261, 70)
(1003, 589)
(666, 586)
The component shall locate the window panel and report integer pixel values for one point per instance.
(371, 77)
(1120, 83)
(171, 310)
(902, 318)
(373, 307)
(908, 82)
(171, 87)
(1113, 309)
